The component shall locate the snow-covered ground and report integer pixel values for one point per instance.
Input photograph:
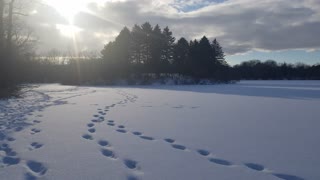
(247, 131)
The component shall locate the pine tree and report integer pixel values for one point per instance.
(146, 42)
(117, 54)
(219, 56)
(181, 55)
(167, 53)
(156, 48)
(137, 45)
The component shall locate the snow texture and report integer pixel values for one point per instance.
(246, 131)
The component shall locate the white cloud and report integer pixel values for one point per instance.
(240, 25)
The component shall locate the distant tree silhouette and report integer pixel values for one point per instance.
(167, 52)
(116, 55)
(181, 63)
(218, 53)
(142, 54)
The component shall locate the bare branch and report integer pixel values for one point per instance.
(19, 13)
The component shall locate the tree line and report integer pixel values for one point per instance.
(147, 50)
(271, 70)
(140, 55)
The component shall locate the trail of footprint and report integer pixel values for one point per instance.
(132, 164)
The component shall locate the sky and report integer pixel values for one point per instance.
(283, 30)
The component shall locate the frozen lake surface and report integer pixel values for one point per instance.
(251, 130)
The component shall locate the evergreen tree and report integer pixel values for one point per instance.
(136, 45)
(181, 56)
(117, 54)
(157, 42)
(167, 53)
(146, 42)
(205, 58)
(218, 53)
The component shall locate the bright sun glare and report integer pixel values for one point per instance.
(68, 8)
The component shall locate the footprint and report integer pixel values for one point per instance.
(35, 145)
(108, 153)
(287, 177)
(137, 133)
(110, 124)
(92, 130)
(10, 160)
(11, 139)
(10, 152)
(37, 121)
(131, 164)
(147, 138)
(121, 130)
(90, 124)
(178, 107)
(36, 167)
(220, 162)
(203, 152)
(17, 129)
(132, 178)
(96, 115)
(87, 136)
(254, 166)
(29, 176)
(34, 131)
(111, 121)
(121, 126)
(178, 146)
(169, 140)
(103, 143)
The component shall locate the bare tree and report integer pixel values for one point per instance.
(2, 6)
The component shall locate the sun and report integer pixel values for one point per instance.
(68, 8)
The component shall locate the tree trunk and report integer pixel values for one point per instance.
(1, 26)
(10, 27)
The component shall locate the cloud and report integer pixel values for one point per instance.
(239, 25)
